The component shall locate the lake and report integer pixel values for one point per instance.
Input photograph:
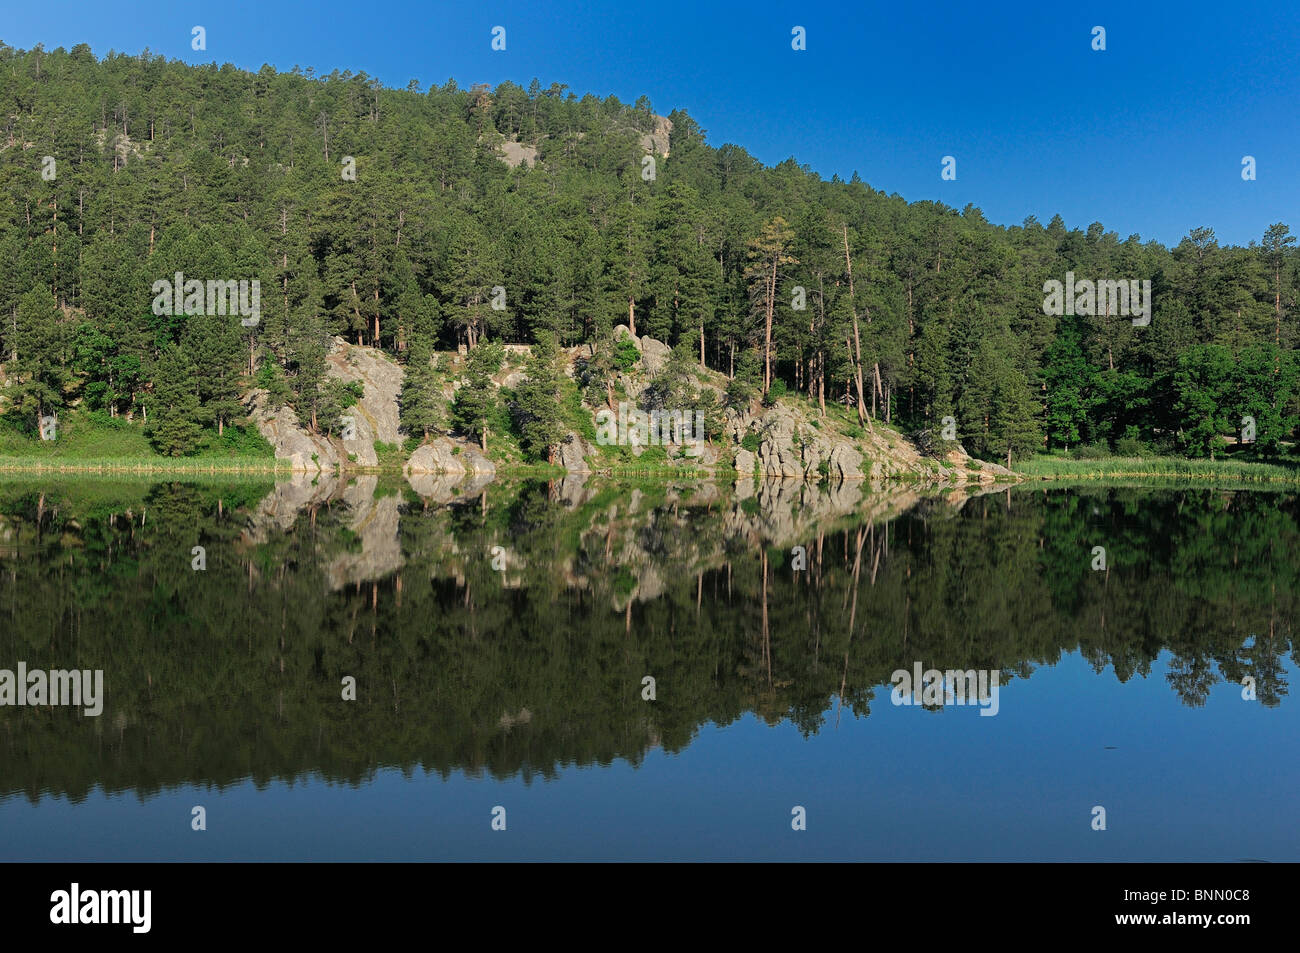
(620, 670)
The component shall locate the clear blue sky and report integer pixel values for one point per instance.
(1146, 137)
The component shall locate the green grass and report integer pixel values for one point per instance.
(97, 442)
(1165, 468)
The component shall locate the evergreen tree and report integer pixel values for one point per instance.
(477, 399)
(173, 406)
(536, 408)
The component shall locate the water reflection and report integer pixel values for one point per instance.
(505, 629)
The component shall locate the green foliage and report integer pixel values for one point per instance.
(1091, 451)
(476, 403)
(1131, 447)
(626, 355)
(270, 377)
(949, 307)
(420, 404)
(774, 393)
(174, 405)
(742, 389)
(536, 409)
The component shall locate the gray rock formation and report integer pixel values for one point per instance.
(777, 455)
(374, 417)
(573, 452)
(448, 456)
(654, 355)
(845, 463)
(306, 452)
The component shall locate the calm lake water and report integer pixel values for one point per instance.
(500, 638)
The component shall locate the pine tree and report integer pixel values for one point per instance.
(40, 340)
(477, 399)
(174, 410)
(536, 408)
(768, 254)
(420, 403)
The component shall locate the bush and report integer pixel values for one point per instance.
(1092, 451)
(751, 442)
(775, 392)
(626, 354)
(106, 421)
(1130, 447)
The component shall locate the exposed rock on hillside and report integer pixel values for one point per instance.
(375, 415)
(793, 441)
(305, 451)
(451, 457)
(573, 454)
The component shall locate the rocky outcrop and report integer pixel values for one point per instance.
(573, 452)
(450, 457)
(776, 452)
(306, 452)
(845, 463)
(374, 417)
(654, 354)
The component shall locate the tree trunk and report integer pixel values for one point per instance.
(767, 329)
(855, 353)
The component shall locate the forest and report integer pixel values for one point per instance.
(392, 217)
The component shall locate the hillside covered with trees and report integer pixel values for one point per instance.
(416, 220)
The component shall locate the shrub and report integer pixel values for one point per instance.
(751, 442)
(775, 392)
(1130, 447)
(626, 354)
(1092, 451)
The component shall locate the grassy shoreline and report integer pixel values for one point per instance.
(1158, 468)
(1040, 468)
(142, 465)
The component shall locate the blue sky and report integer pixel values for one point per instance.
(1146, 137)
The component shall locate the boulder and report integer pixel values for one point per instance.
(744, 462)
(777, 455)
(436, 457)
(573, 452)
(845, 463)
(475, 461)
(654, 355)
(621, 331)
(306, 452)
